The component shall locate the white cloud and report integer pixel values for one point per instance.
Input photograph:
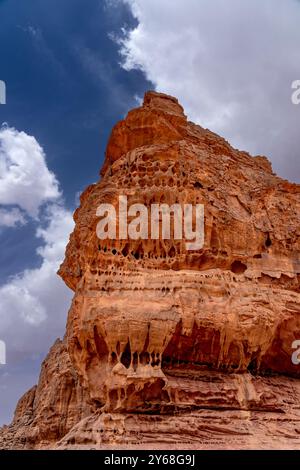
(34, 303)
(11, 217)
(231, 64)
(25, 179)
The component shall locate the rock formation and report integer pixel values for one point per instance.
(164, 346)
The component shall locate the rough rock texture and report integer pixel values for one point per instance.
(170, 347)
(49, 410)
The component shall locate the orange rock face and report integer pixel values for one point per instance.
(165, 345)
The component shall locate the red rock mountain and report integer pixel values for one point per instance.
(165, 347)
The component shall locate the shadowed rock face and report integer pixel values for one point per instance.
(166, 345)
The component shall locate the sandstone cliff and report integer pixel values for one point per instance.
(166, 347)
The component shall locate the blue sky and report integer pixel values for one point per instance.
(65, 87)
(73, 68)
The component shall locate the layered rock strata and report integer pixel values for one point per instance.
(170, 346)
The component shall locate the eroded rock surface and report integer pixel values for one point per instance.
(167, 346)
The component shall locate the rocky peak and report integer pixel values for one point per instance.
(167, 346)
(162, 102)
